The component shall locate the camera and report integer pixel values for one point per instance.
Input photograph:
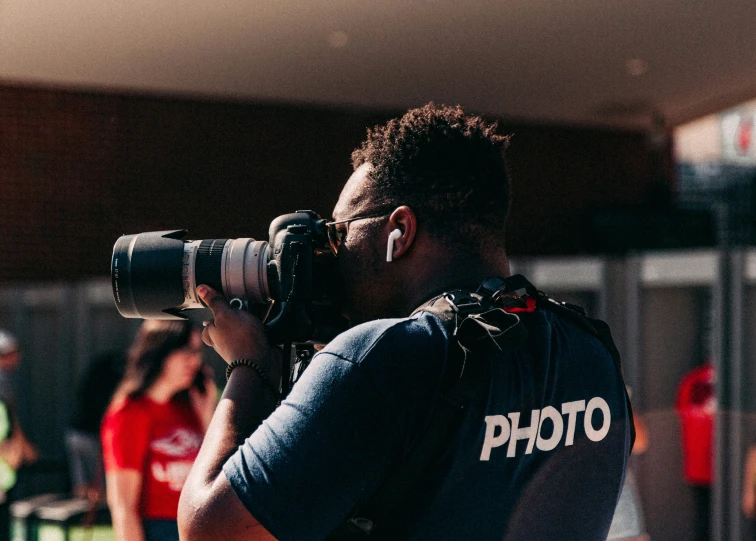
(293, 276)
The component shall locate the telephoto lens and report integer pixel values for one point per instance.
(155, 275)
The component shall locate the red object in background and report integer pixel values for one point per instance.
(696, 405)
(744, 135)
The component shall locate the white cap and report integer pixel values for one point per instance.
(8, 342)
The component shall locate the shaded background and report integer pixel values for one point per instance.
(79, 169)
(118, 118)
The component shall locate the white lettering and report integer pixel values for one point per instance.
(500, 430)
(593, 405)
(522, 433)
(550, 444)
(491, 440)
(572, 409)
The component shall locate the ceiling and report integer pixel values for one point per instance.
(594, 62)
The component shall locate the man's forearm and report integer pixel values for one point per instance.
(205, 510)
(209, 509)
(245, 403)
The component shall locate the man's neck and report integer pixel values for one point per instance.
(453, 276)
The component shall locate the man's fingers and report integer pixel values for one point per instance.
(206, 338)
(213, 300)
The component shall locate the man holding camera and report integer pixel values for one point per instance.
(395, 431)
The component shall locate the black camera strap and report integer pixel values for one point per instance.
(480, 320)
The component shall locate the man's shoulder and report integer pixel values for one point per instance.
(546, 324)
(397, 337)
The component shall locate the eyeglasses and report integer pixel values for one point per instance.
(337, 235)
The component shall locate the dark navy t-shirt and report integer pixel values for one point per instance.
(540, 454)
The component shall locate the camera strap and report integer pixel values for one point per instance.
(481, 323)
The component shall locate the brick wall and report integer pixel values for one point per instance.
(78, 169)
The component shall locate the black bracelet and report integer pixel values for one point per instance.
(254, 365)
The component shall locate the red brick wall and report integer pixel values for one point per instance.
(79, 169)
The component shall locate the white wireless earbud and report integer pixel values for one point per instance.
(395, 234)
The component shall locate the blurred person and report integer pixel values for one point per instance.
(16, 450)
(94, 392)
(10, 358)
(628, 523)
(748, 500)
(153, 428)
(531, 457)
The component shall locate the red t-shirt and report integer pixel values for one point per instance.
(159, 440)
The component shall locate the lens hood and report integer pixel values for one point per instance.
(146, 270)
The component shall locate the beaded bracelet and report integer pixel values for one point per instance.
(260, 372)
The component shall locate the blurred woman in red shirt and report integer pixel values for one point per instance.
(153, 429)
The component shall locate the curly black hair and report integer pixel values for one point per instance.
(448, 167)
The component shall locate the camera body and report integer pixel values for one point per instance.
(155, 275)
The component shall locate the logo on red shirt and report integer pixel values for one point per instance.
(179, 443)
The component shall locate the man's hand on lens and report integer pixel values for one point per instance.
(236, 334)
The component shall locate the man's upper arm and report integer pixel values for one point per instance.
(342, 429)
(326, 447)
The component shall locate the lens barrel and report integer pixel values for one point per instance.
(244, 270)
(207, 268)
(155, 275)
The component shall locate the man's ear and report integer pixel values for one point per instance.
(405, 221)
